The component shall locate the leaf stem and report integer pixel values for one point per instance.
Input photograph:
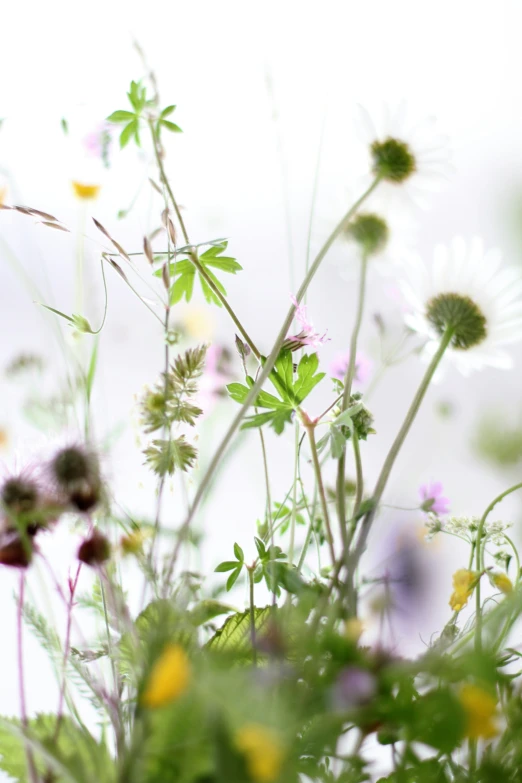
(252, 615)
(397, 445)
(480, 530)
(348, 381)
(267, 369)
(322, 494)
(193, 254)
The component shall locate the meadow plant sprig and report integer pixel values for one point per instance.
(259, 669)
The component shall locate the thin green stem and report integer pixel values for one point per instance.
(398, 443)
(478, 560)
(358, 475)
(322, 493)
(193, 254)
(294, 496)
(265, 372)
(252, 615)
(348, 381)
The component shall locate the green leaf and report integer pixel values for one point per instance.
(74, 756)
(171, 126)
(121, 116)
(234, 635)
(183, 272)
(307, 378)
(261, 549)
(167, 111)
(58, 312)
(183, 286)
(232, 579)
(207, 610)
(226, 565)
(237, 392)
(438, 720)
(128, 132)
(239, 553)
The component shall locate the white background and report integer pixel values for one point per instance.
(245, 151)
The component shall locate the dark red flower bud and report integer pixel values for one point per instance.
(94, 550)
(15, 552)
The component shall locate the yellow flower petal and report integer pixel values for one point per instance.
(169, 678)
(463, 584)
(84, 191)
(503, 583)
(481, 710)
(262, 750)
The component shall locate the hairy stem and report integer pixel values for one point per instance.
(478, 564)
(396, 447)
(322, 493)
(265, 372)
(348, 381)
(21, 679)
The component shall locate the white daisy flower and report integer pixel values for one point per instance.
(409, 155)
(466, 288)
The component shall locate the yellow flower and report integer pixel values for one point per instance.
(263, 752)
(503, 583)
(85, 192)
(133, 543)
(4, 437)
(169, 678)
(463, 584)
(3, 194)
(481, 709)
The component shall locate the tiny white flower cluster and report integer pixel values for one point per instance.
(465, 527)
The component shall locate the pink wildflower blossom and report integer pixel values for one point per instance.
(363, 367)
(432, 498)
(307, 335)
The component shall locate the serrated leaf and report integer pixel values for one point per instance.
(307, 378)
(234, 635)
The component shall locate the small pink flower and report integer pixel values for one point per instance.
(363, 367)
(307, 335)
(214, 379)
(432, 498)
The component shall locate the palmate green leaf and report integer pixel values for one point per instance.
(277, 419)
(234, 635)
(183, 273)
(307, 376)
(75, 757)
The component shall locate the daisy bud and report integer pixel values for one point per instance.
(393, 160)
(94, 550)
(369, 231)
(76, 472)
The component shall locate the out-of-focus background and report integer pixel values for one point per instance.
(263, 91)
